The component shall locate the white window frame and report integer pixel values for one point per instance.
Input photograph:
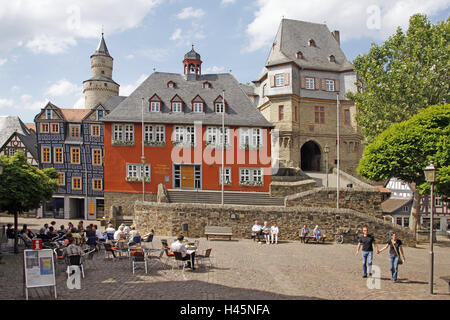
(155, 106)
(177, 107)
(184, 136)
(310, 83)
(251, 177)
(227, 175)
(134, 172)
(279, 80)
(250, 138)
(214, 137)
(219, 107)
(329, 85)
(123, 134)
(154, 134)
(195, 107)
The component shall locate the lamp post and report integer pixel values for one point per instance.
(143, 154)
(326, 150)
(338, 142)
(430, 177)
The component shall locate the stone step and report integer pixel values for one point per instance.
(242, 198)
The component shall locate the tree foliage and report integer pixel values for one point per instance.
(406, 148)
(405, 74)
(23, 187)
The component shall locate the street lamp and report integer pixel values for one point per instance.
(430, 177)
(326, 150)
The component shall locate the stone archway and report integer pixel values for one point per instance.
(310, 156)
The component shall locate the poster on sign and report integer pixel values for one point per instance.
(39, 269)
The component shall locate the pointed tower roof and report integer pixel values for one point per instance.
(102, 49)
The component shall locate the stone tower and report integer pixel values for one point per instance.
(100, 87)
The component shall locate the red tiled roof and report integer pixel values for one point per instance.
(75, 115)
(383, 189)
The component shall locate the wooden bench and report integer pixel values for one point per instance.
(447, 279)
(308, 238)
(218, 231)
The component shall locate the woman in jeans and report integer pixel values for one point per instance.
(395, 249)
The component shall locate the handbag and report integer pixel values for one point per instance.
(400, 261)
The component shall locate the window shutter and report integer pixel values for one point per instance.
(286, 79)
(337, 86)
(317, 83)
(323, 87)
(272, 81)
(303, 82)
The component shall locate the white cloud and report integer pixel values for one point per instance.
(6, 103)
(214, 69)
(80, 103)
(176, 35)
(188, 35)
(63, 88)
(354, 19)
(127, 89)
(52, 26)
(190, 12)
(34, 105)
(3, 61)
(225, 2)
(25, 97)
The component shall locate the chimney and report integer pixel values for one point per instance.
(335, 34)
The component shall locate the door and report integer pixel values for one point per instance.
(187, 176)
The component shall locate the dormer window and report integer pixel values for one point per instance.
(198, 104)
(99, 114)
(177, 104)
(299, 55)
(206, 85)
(48, 114)
(332, 58)
(311, 43)
(219, 106)
(170, 84)
(155, 103)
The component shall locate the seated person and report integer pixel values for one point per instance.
(150, 235)
(98, 233)
(27, 232)
(118, 233)
(89, 232)
(42, 235)
(317, 233)
(62, 231)
(76, 236)
(303, 233)
(72, 249)
(10, 234)
(180, 246)
(52, 233)
(257, 230)
(134, 235)
(110, 232)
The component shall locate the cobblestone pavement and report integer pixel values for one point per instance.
(244, 269)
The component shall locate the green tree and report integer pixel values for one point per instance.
(23, 187)
(406, 148)
(405, 74)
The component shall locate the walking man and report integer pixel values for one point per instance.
(367, 241)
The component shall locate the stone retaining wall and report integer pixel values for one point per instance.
(125, 200)
(285, 188)
(366, 200)
(167, 219)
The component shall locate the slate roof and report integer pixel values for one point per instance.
(392, 205)
(294, 36)
(239, 109)
(102, 49)
(192, 54)
(113, 102)
(101, 78)
(11, 124)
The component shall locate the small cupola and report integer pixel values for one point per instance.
(192, 63)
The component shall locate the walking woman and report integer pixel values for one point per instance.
(395, 249)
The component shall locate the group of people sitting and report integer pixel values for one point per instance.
(125, 232)
(270, 234)
(303, 233)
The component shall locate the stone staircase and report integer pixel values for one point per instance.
(215, 197)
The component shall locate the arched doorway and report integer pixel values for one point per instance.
(310, 156)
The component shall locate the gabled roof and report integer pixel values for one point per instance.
(294, 35)
(75, 115)
(240, 109)
(10, 125)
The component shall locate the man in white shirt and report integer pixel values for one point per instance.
(179, 246)
(118, 233)
(257, 230)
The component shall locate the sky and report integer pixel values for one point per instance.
(45, 45)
